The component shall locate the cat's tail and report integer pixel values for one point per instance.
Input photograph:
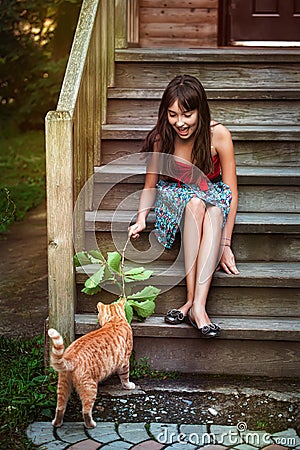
(58, 361)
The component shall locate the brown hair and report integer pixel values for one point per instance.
(190, 95)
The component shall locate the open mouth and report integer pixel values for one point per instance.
(183, 131)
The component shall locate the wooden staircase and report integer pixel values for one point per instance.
(108, 102)
(255, 94)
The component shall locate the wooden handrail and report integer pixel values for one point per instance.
(77, 61)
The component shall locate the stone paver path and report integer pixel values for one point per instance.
(157, 436)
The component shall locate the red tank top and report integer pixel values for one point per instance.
(184, 174)
(217, 168)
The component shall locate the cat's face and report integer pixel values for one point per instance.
(110, 311)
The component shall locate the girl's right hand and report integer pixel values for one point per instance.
(134, 230)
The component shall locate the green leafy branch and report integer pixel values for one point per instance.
(10, 208)
(112, 270)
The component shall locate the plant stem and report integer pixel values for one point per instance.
(123, 268)
(10, 202)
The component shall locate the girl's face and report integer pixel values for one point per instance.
(184, 122)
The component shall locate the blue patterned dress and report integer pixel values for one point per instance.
(174, 193)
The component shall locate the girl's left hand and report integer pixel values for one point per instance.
(227, 262)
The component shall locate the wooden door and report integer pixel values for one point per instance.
(261, 22)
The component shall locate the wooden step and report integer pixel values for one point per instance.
(257, 236)
(212, 94)
(212, 75)
(222, 301)
(256, 346)
(135, 173)
(205, 55)
(261, 189)
(228, 111)
(252, 274)
(245, 222)
(252, 198)
(281, 150)
(215, 68)
(251, 246)
(239, 132)
(256, 328)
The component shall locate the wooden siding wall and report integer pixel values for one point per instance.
(178, 23)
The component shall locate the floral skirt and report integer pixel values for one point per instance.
(171, 200)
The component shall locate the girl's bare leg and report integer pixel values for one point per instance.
(208, 257)
(193, 221)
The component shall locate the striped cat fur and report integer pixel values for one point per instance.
(92, 358)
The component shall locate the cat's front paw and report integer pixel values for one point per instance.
(88, 421)
(128, 385)
(58, 419)
(56, 423)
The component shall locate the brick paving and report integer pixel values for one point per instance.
(156, 436)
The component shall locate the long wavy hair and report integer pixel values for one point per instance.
(190, 95)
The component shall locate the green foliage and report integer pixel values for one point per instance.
(22, 165)
(141, 369)
(30, 74)
(27, 390)
(261, 425)
(6, 211)
(112, 270)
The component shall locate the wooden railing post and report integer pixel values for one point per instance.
(133, 23)
(59, 164)
(111, 43)
(121, 24)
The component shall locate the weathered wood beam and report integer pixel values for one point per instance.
(59, 164)
(121, 24)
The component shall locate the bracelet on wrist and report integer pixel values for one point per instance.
(227, 242)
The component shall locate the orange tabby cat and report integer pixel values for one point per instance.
(92, 358)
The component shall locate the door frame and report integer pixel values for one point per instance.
(223, 23)
(224, 31)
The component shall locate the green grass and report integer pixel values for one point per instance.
(22, 168)
(141, 369)
(27, 390)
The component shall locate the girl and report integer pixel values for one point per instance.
(199, 188)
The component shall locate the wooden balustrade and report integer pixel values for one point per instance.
(73, 138)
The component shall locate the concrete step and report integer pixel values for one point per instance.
(256, 346)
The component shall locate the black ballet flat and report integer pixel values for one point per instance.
(174, 317)
(215, 327)
(206, 332)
